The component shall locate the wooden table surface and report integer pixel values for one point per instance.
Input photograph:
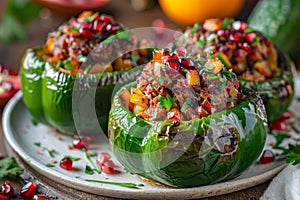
(11, 54)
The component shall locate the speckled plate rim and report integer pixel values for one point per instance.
(159, 193)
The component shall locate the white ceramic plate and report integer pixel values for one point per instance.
(21, 134)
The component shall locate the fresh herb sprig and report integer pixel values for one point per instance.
(8, 166)
(166, 102)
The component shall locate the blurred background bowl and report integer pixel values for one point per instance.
(189, 11)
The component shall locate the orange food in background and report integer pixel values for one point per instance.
(186, 12)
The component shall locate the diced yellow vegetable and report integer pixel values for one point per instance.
(137, 109)
(193, 77)
(137, 100)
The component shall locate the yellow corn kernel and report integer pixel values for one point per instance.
(137, 100)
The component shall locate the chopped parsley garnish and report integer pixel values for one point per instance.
(123, 34)
(295, 129)
(34, 122)
(50, 165)
(38, 144)
(89, 156)
(51, 152)
(248, 30)
(89, 170)
(184, 70)
(293, 154)
(75, 29)
(8, 166)
(201, 43)
(213, 76)
(166, 102)
(226, 24)
(153, 87)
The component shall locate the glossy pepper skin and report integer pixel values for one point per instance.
(48, 93)
(197, 152)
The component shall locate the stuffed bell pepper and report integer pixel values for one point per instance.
(48, 73)
(258, 63)
(186, 122)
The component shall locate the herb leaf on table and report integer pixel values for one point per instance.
(8, 166)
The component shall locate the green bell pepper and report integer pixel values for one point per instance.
(197, 152)
(52, 97)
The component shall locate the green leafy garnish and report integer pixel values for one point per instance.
(248, 30)
(128, 185)
(184, 70)
(213, 97)
(293, 155)
(226, 24)
(8, 166)
(212, 76)
(295, 129)
(75, 29)
(201, 43)
(153, 87)
(38, 144)
(51, 152)
(89, 155)
(34, 122)
(280, 137)
(166, 102)
(123, 34)
(50, 165)
(89, 170)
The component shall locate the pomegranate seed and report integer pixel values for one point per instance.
(239, 25)
(108, 167)
(66, 163)
(107, 19)
(40, 197)
(250, 37)
(3, 197)
(185, 62)
(221, 33)
(102, 158)
(28, 190)
(108, 28)
(173, 64)
(7, 85)
(278, 125)
(7, 189)
(286, 116)
(86, 33)
(6, 71)
(236, 37)
(78, 144)
(266, 157)
(115, 28)
(245, 46)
